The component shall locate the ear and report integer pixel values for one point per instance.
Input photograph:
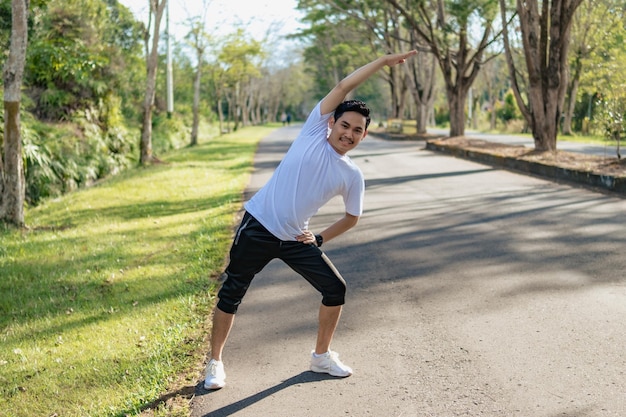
(331, 122)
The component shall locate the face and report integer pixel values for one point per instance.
(347, 132)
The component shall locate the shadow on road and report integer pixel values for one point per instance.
(378, 182)
(301, 378)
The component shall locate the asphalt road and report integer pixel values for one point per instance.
(472, 291)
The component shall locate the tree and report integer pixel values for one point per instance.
(80, 54)
(238, 63)
(421, 79)
(545, 33)
(612, 118)
(608, 82)
(334, 50)
(198, 40)
(342, 34)
(594, 24)
(493, 80)
(446, 29)
(379, 23)
(12, 184)
(285, 87)
(152, 59)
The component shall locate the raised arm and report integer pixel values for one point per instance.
(339, 92)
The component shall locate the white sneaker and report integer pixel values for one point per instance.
(329, 363)
(215, 375)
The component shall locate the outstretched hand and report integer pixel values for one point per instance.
(349, 83)
(399, 58)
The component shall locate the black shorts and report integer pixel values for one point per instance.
(254, 247)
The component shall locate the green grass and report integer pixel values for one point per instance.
(104, 299)
(589, 139)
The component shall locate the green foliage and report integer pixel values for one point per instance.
(80, 52)
(336, 46)
(508, 110)
(5, 29)
(240, 58)
(169, 133)
(462, 13)
(83, 83)
(62, 157)
(442, 116)
(599, 49)
(611, 118)
(103, 301)
(583, 111)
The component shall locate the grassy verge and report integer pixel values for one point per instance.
(104, 299)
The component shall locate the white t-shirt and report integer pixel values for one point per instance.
(310, 174)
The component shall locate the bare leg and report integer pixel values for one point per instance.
(328, 319)
(222, 323)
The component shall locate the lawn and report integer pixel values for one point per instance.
(104, 298)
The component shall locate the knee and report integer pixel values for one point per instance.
(334, 295)
(231, 293)
(227, 306)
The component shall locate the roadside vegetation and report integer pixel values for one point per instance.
(105, 297)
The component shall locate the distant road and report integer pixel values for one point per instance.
(512, 139)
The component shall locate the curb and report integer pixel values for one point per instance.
(549, 172)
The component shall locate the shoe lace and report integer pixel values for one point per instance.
(212, 368)
(334, 357)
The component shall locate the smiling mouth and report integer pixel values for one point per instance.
(349, 141)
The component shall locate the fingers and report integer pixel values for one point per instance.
(306, 237)
(408, 54)
(400, 58)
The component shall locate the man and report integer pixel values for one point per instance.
(275, 224)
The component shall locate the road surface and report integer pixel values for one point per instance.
(472, 291)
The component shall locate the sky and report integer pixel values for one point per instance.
(257, 16)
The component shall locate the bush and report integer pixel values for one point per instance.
(169, 133)
(62, 157)
(442, 116)
(508, 110)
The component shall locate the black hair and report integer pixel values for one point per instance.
(353, 105)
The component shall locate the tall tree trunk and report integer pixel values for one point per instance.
(421, 119)
(245, 107)
(420, 78)
(456, 98)
(402, 100)
(459, 65)
(492, 112)
(229, 113)
(12, 181)
(545, 37)
(571, 102)
(152, 61)
(220, 112)
(393, 113)
(196, 103)
(258, 112)
(395, 94)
